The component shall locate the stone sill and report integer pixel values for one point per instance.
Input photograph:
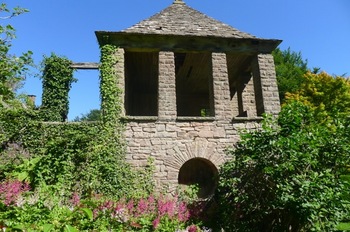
(140, 118)
(196, 119)
(247, 119)
(155, 118)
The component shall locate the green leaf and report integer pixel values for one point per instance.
(70, 228)
(18, 227)
(88, 213)
(47, 227)
(343, 226)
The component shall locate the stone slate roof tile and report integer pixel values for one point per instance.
(180, 19)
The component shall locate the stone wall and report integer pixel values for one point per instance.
(171, 144)
(172, 141)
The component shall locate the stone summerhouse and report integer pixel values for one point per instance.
(190, 84)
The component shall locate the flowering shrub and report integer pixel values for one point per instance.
(155, 214)
(96, 213)
(12, 190)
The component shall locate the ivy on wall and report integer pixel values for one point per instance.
(57, 79)
(106, 170)
(86, 158)
(110, 93)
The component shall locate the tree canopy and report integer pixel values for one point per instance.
(92, 115)
(328, 95)
(12, 68)
(290, 69)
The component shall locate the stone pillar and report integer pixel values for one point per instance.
(249, 98)
(221, 87)
(166, 87)
(120, 71)
(265, 85)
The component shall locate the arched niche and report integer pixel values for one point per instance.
(202, 172)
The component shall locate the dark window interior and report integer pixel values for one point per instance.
(141, 83)
(194, 87)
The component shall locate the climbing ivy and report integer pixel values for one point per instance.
(110, 93)
(106, 170)
(57, 79)
(86, 158)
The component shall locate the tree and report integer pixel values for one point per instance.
(93, 115)
(328, 95)
(12, 68)
(290, 69)
(287, 176)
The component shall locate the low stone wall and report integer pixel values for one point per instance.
(171, 144)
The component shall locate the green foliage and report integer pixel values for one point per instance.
(93, 116)
(57, 159)
(57, 80)
(12, 68)
(290, 68)
(84, 157)
(110, 93)
(40, 211)
(328, 96)
(287, 177)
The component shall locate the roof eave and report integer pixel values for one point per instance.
(186, 42)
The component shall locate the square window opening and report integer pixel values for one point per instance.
(141, 83)
(194, 84)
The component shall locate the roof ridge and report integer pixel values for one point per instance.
(179, 2)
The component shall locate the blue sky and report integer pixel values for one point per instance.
(319, 29)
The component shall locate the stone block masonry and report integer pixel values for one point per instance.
(172, 141)
(171, 144)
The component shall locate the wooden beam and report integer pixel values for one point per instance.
(85, 65)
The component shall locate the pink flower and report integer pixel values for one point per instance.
(11, 190)
(75, 199)
(130, 206)
(156, 222)
(95, 213)
(151, 204)
(142, 206)
(183, 213)
(166, 207)
(192, 228)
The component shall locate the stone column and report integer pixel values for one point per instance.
(120, 71)
(221, 87)
(265, 85)
(166, 87)
(249, 97)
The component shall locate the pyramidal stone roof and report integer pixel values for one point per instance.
(180, 19)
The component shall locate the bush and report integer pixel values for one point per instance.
(287, 177)
(42, 211)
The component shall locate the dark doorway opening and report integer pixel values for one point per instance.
(201, 172)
